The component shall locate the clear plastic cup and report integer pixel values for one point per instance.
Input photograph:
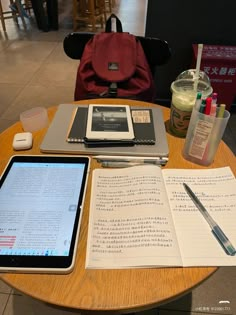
(34, 119)
(203, 137)
(184, 92)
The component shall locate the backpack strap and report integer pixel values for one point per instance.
(113, 24)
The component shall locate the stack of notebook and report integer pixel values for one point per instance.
(140, 127)
(67, 131)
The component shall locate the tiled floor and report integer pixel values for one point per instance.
(34, 71)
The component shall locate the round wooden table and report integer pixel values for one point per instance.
(120, 291)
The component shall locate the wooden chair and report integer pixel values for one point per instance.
(89, 11)
(27, 6)
(108, 3)
(11, 14)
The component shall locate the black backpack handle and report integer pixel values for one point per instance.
(108, 27)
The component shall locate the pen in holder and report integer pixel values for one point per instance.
(203, 137)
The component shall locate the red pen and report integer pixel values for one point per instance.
(208, 106)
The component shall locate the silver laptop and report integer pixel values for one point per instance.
(55, 140)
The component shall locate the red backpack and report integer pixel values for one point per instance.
(114, 65)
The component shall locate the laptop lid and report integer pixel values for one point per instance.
(55, 140)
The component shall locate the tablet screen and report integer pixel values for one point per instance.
(41, 199)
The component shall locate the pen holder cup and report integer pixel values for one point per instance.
(203, 137)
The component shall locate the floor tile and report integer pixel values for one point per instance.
(8, 92)
(22, 59)
(4, 288)
(166, 312)
(221, 286)
(3, 44)
(52, 36)
(3, 301)
(229, 136)
(231, 123)
(56, 74)
(23, 305)
(12, 73)
(13, 32)
(5, 123)
(59, 56)
(154, 311)
(38, 95)
(31, 51)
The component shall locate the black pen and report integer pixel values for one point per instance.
(216, 230)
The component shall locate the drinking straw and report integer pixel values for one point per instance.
(199, 57)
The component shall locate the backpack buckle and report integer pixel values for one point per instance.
(112, 91)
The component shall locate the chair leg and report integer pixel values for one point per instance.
(28, 6)
(92, 8)
(2, 17)
(88, 11)
(102, 11)
(109, 2)
(19, 8)
(13, 13)
(75, 13)
(104, 14)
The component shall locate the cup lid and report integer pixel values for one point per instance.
(187, 81)
(190, 74)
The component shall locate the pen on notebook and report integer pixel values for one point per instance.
(135, 159)
(127, 164)
(216, 230)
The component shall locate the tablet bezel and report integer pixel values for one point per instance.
(47, 264)
(105, 134)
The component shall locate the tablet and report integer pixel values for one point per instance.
(109, 122)
(41, 203)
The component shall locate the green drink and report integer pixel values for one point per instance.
(184, 92)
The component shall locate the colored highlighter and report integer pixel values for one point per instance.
(213, 109)
(198, 101)
(221, 111)
(208, 106)
(214, 98)
(202, 107)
